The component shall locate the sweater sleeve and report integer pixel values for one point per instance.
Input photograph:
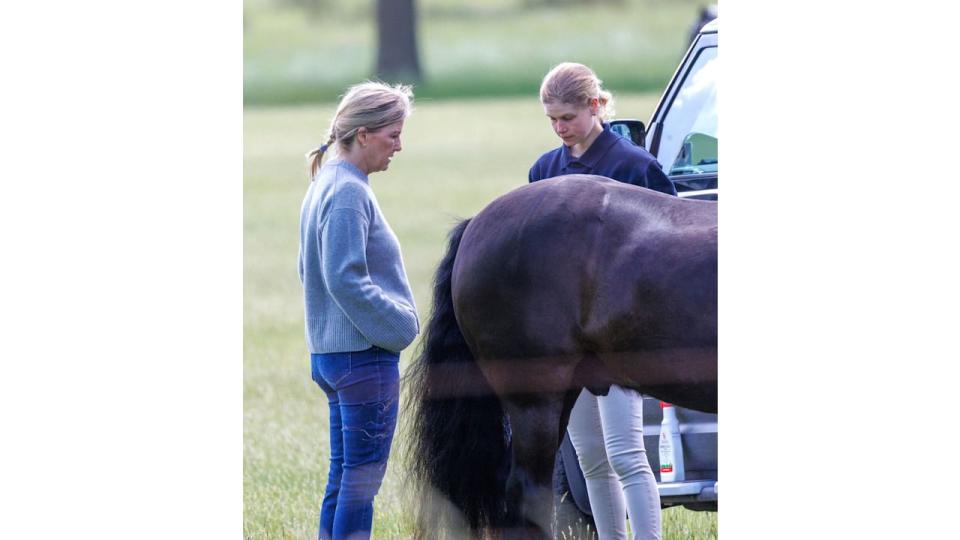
(385, 323)
(657, 180)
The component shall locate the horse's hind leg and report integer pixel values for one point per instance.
(535, 422)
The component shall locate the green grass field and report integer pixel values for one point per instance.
(458, 155)
(496, 47)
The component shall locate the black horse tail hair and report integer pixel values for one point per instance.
(457, 447)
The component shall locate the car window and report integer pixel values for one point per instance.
(688, 144)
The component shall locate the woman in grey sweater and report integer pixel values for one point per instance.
(359, 308)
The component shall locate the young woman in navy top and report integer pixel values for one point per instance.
(576, 106)
(606, 431)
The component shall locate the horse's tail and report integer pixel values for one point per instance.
(457, 447)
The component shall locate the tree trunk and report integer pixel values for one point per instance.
(397, 57)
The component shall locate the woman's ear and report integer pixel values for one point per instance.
(594, 106)
(362, 136)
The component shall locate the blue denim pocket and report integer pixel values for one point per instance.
(342, 369)
(331, 369)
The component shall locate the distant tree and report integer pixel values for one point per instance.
(707, 14)
(397, 55)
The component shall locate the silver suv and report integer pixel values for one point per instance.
(683, 137)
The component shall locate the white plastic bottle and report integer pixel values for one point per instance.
(671, 449)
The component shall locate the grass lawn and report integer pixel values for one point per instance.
(458, 155)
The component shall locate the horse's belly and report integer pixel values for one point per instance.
(685, 376)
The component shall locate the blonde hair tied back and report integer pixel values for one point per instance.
(371, 105)
(576, 84)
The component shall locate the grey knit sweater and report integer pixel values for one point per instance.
(355, 288)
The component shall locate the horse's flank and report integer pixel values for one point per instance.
(582, 265)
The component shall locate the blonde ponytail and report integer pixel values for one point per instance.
(607, 111)
(315, 157)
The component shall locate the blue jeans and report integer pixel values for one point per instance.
(363, 389)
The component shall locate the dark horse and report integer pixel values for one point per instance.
(568, 283)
